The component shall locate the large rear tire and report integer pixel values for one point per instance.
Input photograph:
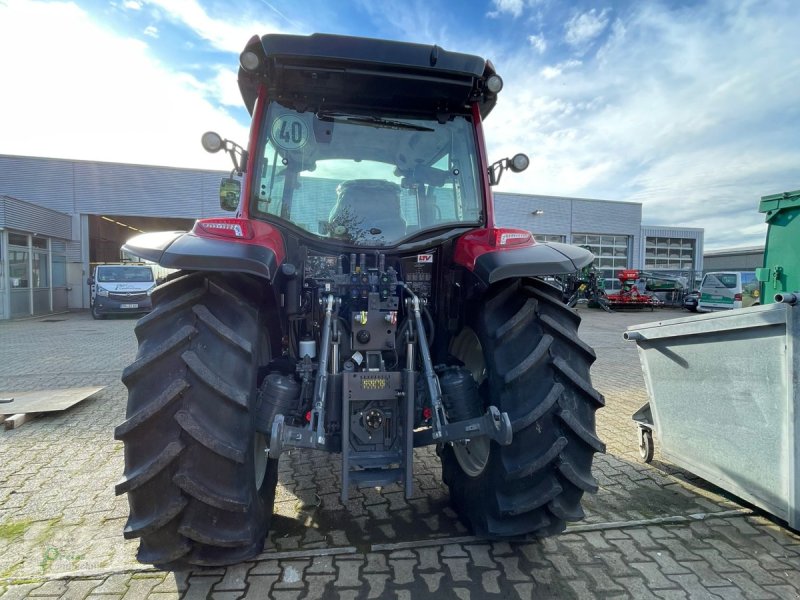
(522, 348)
(200, 486)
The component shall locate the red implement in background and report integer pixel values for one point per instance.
(634, 293)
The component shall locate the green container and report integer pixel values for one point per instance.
(781, 271)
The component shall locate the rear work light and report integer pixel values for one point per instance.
(228, 228)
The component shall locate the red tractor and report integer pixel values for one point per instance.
(361, 300)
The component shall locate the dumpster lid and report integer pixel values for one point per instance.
(775, 203)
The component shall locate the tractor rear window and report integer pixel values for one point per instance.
(366, 180)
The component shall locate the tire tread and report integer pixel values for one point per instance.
(535, 485)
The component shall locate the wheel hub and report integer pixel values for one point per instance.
(473, 454)
(260, 459)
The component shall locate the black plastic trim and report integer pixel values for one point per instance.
(178, 250)
(306, 72)
(531, 261)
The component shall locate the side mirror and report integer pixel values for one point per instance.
(517, 164)
(212, 142)
(230, 190)
(90, 281)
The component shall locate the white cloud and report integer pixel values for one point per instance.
(415, 23)
(223, 87)
(132, 5)
(538, 42)
(553, 71)
(228, 33)
(582, 28)
(119, 105)
(151, 31)
(693, 113)
(511, 7)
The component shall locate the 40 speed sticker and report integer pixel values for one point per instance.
(289, 132)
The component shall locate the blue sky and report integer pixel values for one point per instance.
(691, 108)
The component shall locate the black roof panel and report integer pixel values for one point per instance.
(342, 72)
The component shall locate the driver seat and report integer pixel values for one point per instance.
(369, 210)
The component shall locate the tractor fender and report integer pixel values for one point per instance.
(261, 255)
(491, 265)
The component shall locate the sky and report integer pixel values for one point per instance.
(691, 108)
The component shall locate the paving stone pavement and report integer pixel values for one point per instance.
(652, 531)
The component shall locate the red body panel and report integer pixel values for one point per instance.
(480, 241)
(244, 204)
(258, 233)
(480, 143)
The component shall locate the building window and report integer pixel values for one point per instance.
(674, 254)
(18, 268)
(610, 252)
(549, 237)
(18, 239)
(40, 270)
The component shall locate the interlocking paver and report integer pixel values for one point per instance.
(428, 558)
(376, 584)
(79, 589)
(235, 578)
(667, 564)
(140, 588)
(260, 586)
(402, 570)
(479, 553)
(348, 573)
(16, 592)
(432, 581)
(457, 568)
(652, 573)
(200, 587)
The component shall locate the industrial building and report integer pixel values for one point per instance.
(57, 217)
(746, 258)
(613, 231)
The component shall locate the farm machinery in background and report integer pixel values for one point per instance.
(585, 287)
(637, 289)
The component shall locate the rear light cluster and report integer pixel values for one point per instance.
(737, 298)
(228, 228)
(505, 237)
(472, 245)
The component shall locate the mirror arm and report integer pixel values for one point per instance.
(238, 156)
(496, 170)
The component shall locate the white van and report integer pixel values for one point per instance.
(725, 290)
(121, 288)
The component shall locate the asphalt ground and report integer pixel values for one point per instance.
(651, 531)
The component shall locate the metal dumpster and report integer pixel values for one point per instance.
(725, 400)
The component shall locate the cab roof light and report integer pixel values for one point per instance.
(494, 83)
(250, 61)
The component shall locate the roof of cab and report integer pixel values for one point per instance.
(334, 72)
